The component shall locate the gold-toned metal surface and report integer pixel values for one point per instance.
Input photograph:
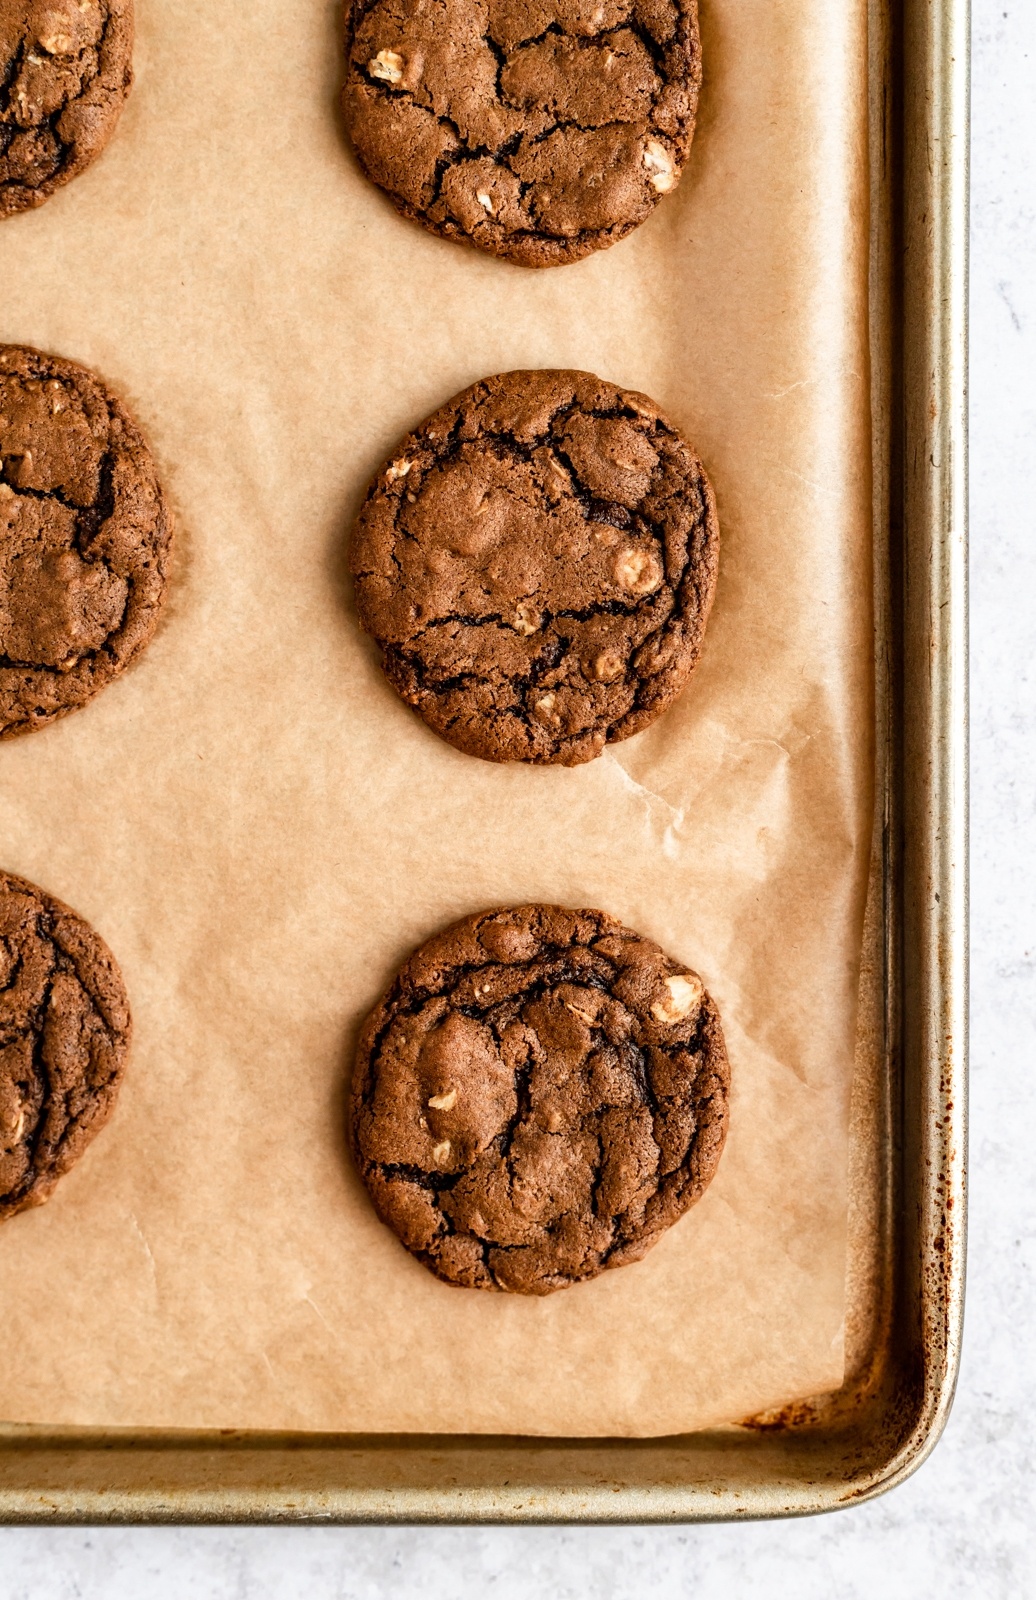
(909, 1117)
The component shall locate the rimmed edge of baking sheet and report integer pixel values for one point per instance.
(909, 1115)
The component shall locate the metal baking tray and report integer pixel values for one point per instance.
(907, 1222)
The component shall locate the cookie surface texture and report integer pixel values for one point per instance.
(537, 563)
(65, 71)
(539, 1095)
(537, 130)
(64, 1036)
(84, 538)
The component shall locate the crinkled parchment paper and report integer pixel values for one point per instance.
(262, 831)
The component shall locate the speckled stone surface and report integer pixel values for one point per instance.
(962, 1527)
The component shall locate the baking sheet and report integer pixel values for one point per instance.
(262, 831)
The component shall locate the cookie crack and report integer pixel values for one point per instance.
(50, 121)
(89, 619)
(465, 152)
(437, 1182)
(558, 1229)
(34, 1028)
(8, 79)
(91, 59)
(567, 125)
(500, 56)
(88, 521)
(434, 657)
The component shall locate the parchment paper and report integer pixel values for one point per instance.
(262, 831)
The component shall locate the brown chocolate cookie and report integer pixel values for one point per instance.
(540, 1094)
(65, 70)
(64, 1035)
(537, 563)
(539, 130)
(84, 538)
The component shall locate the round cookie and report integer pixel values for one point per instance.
(64, 1035)
(65, 70)
(539, 1095)
(537, 562)
(84, 538)
(538, 130)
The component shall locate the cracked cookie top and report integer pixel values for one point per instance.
(65, 70)
(537, 563)
(64, 1036)
(539, 1095)
(84, 538)
(538, 130)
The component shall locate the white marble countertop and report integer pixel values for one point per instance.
(966, 1524)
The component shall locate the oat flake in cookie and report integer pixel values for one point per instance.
(539, 130)
(64, 1035)
(65, 70)
(538, 1097)
(537, 563)
(84, 538)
